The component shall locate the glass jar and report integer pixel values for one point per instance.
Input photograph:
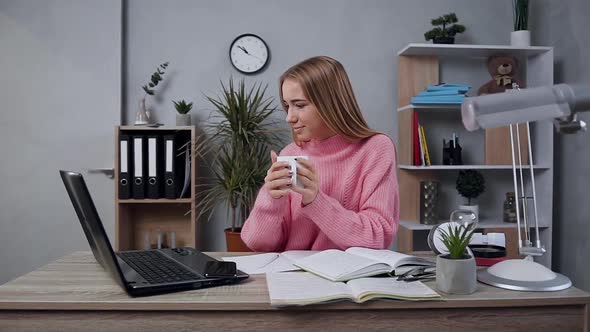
(509, 214)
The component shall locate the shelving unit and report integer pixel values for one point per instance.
(420, 65)
(135, 217)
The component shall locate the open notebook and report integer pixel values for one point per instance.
(302, 288)
(356, 262)
(269, 262)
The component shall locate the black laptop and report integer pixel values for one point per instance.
(146, 272)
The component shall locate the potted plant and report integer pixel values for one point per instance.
(456, 269)
(142, 116)
(242, 134)
(470, 184)
(521, 36)
(182, 107)
(446, 33)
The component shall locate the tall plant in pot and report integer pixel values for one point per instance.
(521, 36)
(241, 134)
(456, 269)
(470, 184)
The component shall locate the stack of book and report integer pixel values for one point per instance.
(442, 94)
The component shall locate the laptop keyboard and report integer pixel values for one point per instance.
(156, 268)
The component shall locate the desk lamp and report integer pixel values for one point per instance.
(560, 102)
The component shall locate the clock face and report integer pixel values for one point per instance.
(249, 53)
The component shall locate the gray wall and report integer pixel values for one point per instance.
(364, 35)
(44, 74)
(60, 96)
(564, 25)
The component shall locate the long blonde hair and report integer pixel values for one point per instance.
(325, 83)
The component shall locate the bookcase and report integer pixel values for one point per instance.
(134, 218)
(487, 151)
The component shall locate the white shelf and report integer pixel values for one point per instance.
(470, 50)
(449, 107)
(459, 167)
(485, 223)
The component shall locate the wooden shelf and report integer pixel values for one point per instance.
(469, 50)
(420, 65)
(485, 223)
(460, 167)
(188, 128)
(437, 107)
(156, 201)
(136, 218)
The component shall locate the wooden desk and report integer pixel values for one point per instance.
(75, 293)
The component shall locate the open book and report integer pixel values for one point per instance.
(269, 262)
(301, 288)
(356, 262)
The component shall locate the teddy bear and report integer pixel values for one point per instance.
(503, 69)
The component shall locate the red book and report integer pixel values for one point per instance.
(416, 140)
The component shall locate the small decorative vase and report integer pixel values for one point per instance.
(472, 208)
(443, 40)
(183, 119)
(142, 116)
(456, 276)
(520, 38)
(429, 202)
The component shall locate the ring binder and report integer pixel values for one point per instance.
(124, 167)
(138, 167)
(170, 186)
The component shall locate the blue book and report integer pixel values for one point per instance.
(460, 87)
(438, 100)
(448, 92)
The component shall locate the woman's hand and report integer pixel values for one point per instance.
(278, 178)
(307, 176)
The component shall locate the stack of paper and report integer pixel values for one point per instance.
(442, 94)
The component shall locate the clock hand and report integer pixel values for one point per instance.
(243, 49)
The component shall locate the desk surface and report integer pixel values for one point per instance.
(75, 293)
(78, 282)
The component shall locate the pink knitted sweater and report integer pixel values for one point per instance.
(357, 204)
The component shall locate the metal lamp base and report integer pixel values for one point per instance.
(523, 275)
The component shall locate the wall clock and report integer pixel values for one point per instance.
(249, 53)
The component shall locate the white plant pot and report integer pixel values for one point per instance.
(520, 38)
(472, 208)
(456, 276)
(183, 119)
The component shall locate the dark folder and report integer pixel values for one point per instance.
(139, 166)
(170, 183)
(154, 167)
(124, 167)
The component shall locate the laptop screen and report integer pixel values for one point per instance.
(91, 224)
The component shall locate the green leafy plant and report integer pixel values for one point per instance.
(470, 184)
(156, 78)
(456, 239)
(182, 107)
(448, 30)
(238, 149)
(521, 14)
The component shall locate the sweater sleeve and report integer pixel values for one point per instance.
(265, 229)
(375, 224)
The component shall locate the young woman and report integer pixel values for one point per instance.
(349, 193)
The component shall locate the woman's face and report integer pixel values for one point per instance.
(302, 115)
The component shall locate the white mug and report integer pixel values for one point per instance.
(293, 165)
